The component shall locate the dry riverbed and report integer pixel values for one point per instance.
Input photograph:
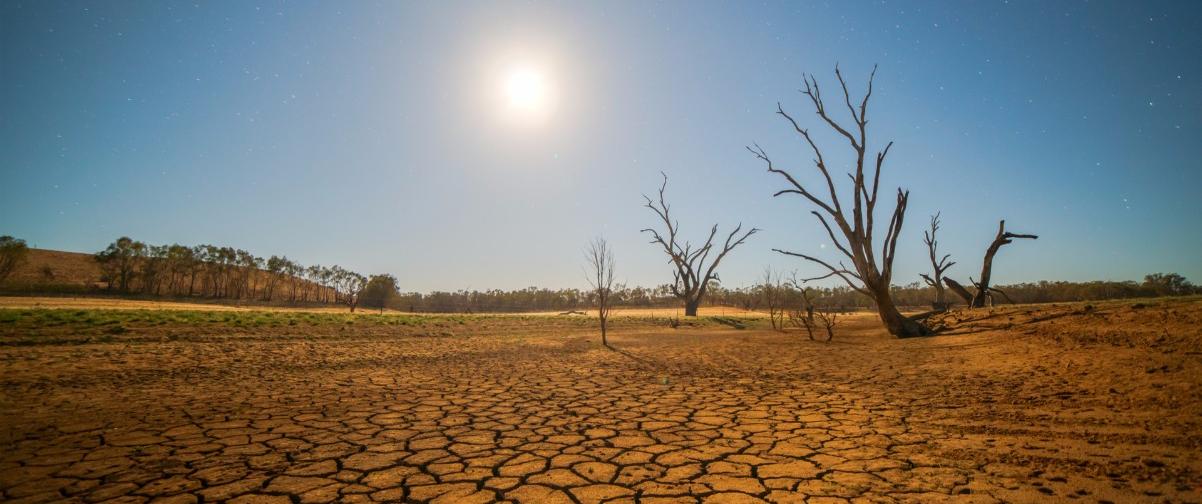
(1075, 402)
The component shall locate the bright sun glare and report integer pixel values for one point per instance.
(527, 91)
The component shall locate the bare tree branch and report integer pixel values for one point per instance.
(834, 212)
(842, 273)
(866, 275)
(687, 260)
(937, 265)
(600, 259)
(984, 291)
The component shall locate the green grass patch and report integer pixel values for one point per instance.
(26, 319)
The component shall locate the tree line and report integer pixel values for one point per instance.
(133, 267)
(836, 298)
(915, 295)
(530, 299)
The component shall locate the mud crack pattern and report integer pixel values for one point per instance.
(674, 417)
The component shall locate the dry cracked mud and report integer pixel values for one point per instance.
(1021, 404)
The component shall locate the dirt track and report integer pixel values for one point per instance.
(1024, 404)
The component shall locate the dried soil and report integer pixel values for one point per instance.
(1098, 403)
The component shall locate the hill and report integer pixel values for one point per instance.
(51, 272)
(54, 271)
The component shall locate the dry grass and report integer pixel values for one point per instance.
(66, 268)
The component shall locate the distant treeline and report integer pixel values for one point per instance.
(528, 299)
(753, 298)
(916, 295)
(133, 267)
(130, 267)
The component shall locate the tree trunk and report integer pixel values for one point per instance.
(983, 296)
(898, 325)
(690, 307)
(959, 290)
(1003, 238)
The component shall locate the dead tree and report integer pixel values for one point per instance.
(984, 293)
(829, 320)
(691, 275)
(867, 275)
(959, 290)
(937, 265)
(600, 258)
(774, 296)
(992, 290)
(803, 316)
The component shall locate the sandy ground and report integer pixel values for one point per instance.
(1021, 404)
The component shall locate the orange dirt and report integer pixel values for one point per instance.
(1022, 404)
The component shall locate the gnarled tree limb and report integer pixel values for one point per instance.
(984, 292)
(938, 265)
(866, 275)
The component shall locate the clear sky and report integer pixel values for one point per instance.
(388, 137)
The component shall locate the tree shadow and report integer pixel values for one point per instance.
(631, 355)
(975, 326)
(960, 331)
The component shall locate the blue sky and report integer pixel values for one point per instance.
(376, 135)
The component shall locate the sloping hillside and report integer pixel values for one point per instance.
(58, 272)
(54, 270)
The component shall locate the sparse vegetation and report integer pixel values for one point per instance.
(33, 326)
(829, 320)
(774, 292)
(802, 313)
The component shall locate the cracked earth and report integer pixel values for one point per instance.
(1022, 404)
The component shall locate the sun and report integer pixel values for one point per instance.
(527, 92)
(526, 89)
